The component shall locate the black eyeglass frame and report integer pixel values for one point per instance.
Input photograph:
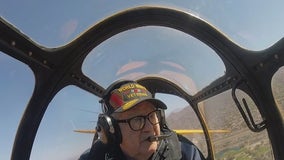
(158, 114)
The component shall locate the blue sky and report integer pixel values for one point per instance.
(252, 24)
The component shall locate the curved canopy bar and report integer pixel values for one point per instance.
(56, 68)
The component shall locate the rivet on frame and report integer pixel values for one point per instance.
(13, 43)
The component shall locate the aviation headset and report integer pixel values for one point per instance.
(107, 128)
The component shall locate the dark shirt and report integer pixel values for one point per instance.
(190, 152)
(101, 152)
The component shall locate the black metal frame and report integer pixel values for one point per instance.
(55, 68)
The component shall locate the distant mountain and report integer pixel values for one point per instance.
(183, 119)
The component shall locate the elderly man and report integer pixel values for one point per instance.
(132, 127)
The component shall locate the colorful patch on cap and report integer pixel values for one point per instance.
(127, 96)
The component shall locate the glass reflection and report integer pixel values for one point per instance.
(159, 51)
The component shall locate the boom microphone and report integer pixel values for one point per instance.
(158, 138)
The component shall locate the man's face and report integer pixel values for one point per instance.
(134, 143)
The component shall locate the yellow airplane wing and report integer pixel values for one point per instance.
(85, 131)
(179, 131)
(192, 131)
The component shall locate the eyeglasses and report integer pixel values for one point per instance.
(137, 123)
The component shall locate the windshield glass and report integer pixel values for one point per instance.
(157, 51)
(53, 23)
(16, 84)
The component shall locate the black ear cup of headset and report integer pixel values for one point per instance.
(163, 123)
(108, 130)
